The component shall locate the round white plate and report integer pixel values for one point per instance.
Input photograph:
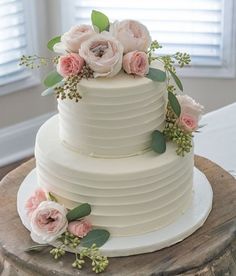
(188, 223)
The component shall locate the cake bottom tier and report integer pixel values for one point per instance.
(129, 196)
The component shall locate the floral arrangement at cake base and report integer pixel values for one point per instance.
(61, 230)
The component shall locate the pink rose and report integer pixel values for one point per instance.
(34, 201)
(189, 106)
(48, 222)
(103, 54)
(132, 34)
(136, 63)
(190, 113)
(188, 122)
(70, 64)
(79, 228)
(73, 39)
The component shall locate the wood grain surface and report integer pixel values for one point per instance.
(211, 250)
(6, 169)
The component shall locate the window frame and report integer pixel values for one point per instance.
(227, 70)
(28, 78)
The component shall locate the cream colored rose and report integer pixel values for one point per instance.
(103, 54)
(132, 34)
(48, 222)
(72, 40)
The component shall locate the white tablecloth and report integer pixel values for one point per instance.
(217, 140)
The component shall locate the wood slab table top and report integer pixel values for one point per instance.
(211, 250)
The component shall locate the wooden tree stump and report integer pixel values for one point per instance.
(211, 250)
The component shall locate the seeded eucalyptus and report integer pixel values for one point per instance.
(154, 46)
(98, 262)
(36, 61)
(182, 59)
(69, 89)
(57, 252)
(169, 62)
(174, 133)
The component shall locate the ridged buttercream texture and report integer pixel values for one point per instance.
(115, 117)
(129, 196)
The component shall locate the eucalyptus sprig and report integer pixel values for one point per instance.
(69, 239)
(153, 47)
(69, 88)
(176, 134)
(169, 63)
(58, 252)
(98, 261)
(182, 59)
(36, 61)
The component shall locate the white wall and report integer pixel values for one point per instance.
(212, 93)
(25, 104)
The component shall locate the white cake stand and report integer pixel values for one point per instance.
(188, 223)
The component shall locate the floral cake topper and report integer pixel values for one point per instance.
(102, 50)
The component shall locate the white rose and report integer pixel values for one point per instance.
(133, 35)
(103, 53)
(48, 222)
(190, 107)
(72, 40)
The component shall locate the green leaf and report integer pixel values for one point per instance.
(177, 81)
(158, 141)
(51, 90)
(201, 126)
(37, 248)
(96, 236)
(53, 41)
(78, 212)
(52, 79)
(52, 197)
(156, 74)
(100, 20)
(174, 103)
(48, 91)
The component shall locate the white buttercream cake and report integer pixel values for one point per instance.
(98, 151)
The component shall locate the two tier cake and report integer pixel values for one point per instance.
(98, 151)
(116, 162)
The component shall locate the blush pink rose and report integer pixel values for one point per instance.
(73, 39)
(48, 222)
(189, 123)
(191, 112)
(70, 64)
(189, 106)
(34, 201)
(132, 34)
(136, 63)
(79, 228)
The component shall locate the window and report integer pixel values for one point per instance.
(15, 40)
(203, 28)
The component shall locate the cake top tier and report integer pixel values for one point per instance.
(114, 118)
(109, 65)
(121, 85)
(121, 80)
